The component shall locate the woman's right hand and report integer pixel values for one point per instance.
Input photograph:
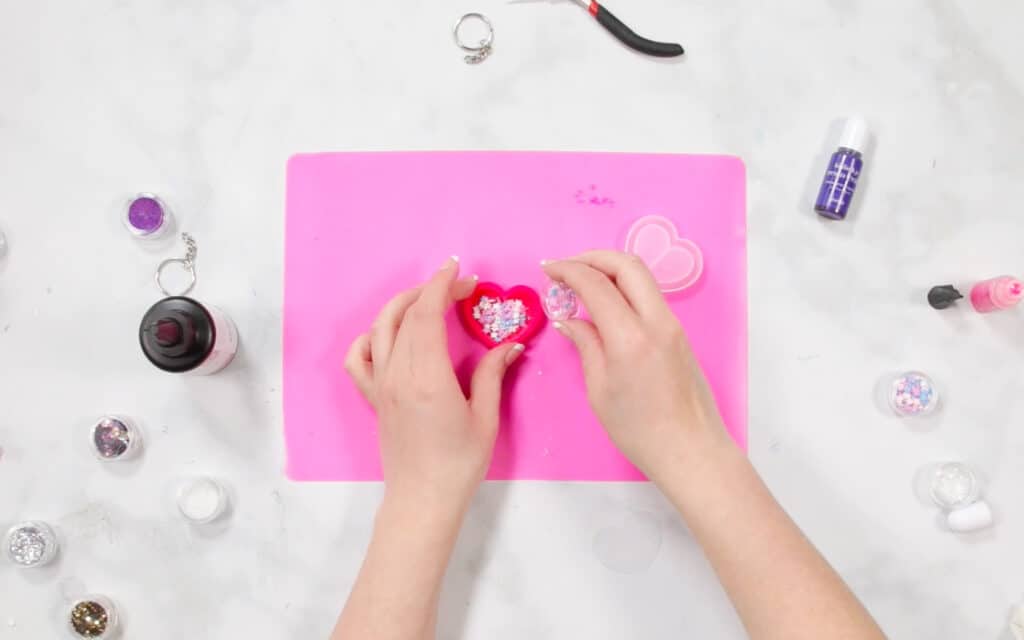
(643, 382)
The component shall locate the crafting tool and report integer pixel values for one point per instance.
(202, 500)
(943, 296)
(971, 518)
(997, 294)
(31, 544)
(477, 53)
(147, 217)
(501, 212)
(954, 485)
(180, 335)
(115, 438)
(93, 617)
(913, 394)
(627, 36)
(843, 171)
(624, 34)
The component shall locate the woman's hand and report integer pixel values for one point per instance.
(435, 444)
(642, 379)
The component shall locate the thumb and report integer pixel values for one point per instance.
(485, 387)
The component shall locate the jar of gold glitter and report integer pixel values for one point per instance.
(93, 617)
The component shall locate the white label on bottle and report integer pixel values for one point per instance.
(224, 347)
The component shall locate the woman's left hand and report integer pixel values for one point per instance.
(435, 444)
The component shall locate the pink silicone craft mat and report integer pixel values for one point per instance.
(363, 226)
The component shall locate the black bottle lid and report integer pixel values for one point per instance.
(177, 334)
(943, 296)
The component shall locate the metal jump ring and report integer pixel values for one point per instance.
(482, 49)
(189, 267)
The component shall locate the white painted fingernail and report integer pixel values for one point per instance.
(560, 327)
(545, 262)
(455, 258)
(514, 353)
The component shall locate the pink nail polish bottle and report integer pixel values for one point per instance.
(997, 294)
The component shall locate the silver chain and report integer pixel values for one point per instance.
(191, 249)
(479, 56)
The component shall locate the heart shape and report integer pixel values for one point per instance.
(495, 316)
(676, 263)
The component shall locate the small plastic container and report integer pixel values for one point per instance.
(954, 485)
(115, 438)
(912, 394)
(201, 500)
(93, 617)
(147, 217)
(559, 301)
(31, 544)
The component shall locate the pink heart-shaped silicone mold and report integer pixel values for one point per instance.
(676, 263)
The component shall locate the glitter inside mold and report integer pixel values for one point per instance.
(500, 318)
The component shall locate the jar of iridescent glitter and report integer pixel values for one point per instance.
(147, 217)
(114, 438)
(93, 617)
(31, 544)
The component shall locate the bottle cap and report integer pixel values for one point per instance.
(177, 334)
(943, 296)
(855, 133)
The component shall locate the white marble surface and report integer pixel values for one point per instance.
(203, 101)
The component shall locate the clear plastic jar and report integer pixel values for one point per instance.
(31, 544)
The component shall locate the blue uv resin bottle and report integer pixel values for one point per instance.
(843, 171)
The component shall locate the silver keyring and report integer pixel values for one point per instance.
(186, 265)
(483, 49)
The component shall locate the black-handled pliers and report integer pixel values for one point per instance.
(627, 36)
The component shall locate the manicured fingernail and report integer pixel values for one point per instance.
(545, 262)
(475, 277)
(452, 260)
(514, 353)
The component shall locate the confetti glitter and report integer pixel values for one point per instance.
(112, 438)
(90, 619)
(560, 302)
(31, 544)
(913, 394)
(500, 319)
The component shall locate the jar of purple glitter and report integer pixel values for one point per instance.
(147, 217)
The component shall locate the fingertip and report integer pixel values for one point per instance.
(513, 354)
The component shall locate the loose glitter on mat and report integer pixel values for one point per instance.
(500, 318)
(30, 544)
(913, 394)
(560, 302)
(111, 438)
(90, 619)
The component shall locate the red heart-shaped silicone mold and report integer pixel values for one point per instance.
(495, 316)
